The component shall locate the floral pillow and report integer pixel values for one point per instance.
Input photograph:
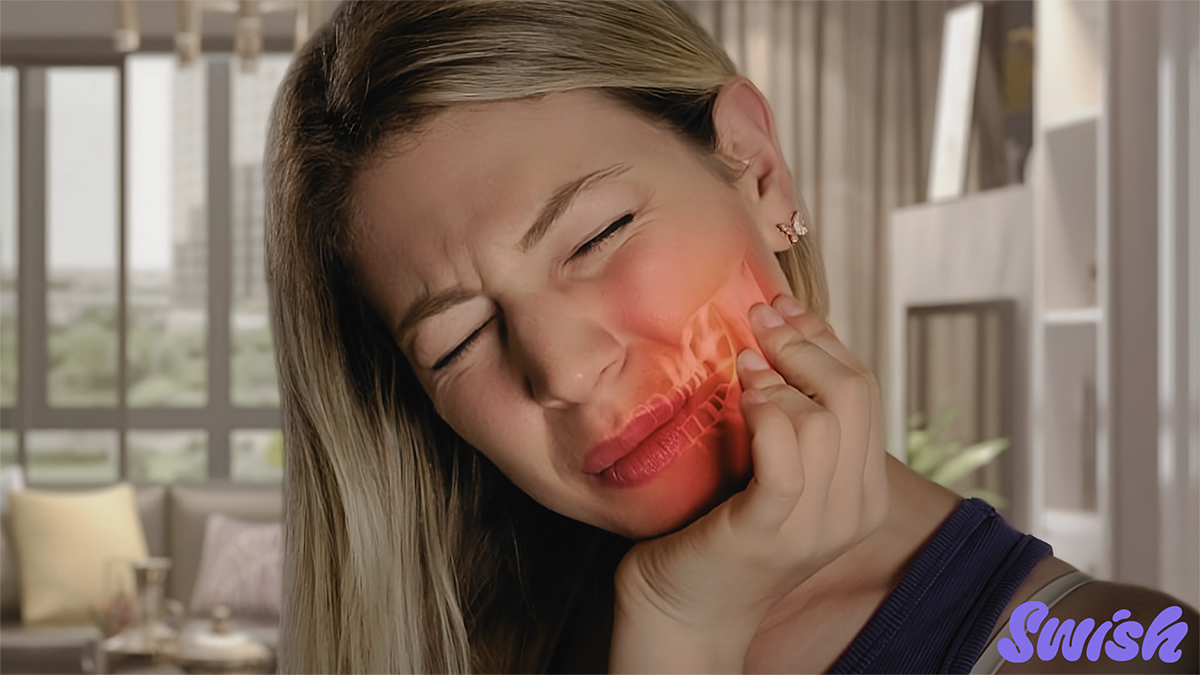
(241, 567)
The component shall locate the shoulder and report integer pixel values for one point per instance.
(1106, 627)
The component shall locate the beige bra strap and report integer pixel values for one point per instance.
(990, 661)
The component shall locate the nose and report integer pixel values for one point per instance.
(565, 350)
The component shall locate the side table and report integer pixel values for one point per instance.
(97, 659)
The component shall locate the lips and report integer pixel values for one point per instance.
(660, 430)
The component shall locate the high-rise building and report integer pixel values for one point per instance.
(190, 186)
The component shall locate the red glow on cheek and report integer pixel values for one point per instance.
(655, 294)
(717, 467)
(718, 464)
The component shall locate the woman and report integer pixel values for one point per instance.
(557, 389)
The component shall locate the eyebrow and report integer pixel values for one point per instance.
(562, 199)
(428, 305)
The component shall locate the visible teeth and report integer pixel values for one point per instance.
(693, 428)
(707, 344)
(721, 393)
(708, 414)
(678, 397)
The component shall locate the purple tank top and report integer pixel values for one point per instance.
(939, 617)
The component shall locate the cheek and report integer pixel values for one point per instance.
(656, 293)
(482, 410)
(733, 301)
(510, 435)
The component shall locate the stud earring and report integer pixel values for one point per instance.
(793, 229)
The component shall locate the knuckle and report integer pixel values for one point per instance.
(808, 323)
(787, 484)
(785, 342)
(764, 379)
(855, 389)
(814, 326)
(820, 421)
(777, 392)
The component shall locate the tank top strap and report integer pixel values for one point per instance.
(990, 661)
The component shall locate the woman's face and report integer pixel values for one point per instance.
(570, 284)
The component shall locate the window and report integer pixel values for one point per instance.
(8, 261)
(134, 336)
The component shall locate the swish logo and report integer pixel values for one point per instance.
(1163, 636)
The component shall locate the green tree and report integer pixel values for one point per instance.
(167, 366)
(254, 379)
(8, 352)
(83, 360)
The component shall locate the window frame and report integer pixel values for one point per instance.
(219, 418)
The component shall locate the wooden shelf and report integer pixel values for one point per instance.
(1073, 123)
(1069, 214)
(1084, 316)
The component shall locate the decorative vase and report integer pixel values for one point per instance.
(150, 633)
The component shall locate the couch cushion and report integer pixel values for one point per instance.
(190, 506)
(65, 541)
(44, 649)
(152, 508)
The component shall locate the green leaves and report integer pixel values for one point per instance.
(945, 461)
(967, 460)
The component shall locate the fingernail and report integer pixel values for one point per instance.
(789, 306)
(752, 360)
(768, 316)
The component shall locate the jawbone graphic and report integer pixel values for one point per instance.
(694, 428)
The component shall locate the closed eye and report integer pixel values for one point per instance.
(588, 247)
(462, 348)
(599, 239)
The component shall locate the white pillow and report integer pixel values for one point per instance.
(11, 479)
(241, 567)
(64, 540)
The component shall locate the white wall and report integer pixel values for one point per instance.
(1179, 297)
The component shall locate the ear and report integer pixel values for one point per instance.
(746, 134)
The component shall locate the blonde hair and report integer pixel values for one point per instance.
(405, 551)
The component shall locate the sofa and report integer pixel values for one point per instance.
(174, 520)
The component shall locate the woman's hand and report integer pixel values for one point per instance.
(691, 601)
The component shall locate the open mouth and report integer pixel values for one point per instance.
(661, 429)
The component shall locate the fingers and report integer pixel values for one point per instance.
(771, 496)
(790, 440)
(815, 329)
(806, 353)
(874, 478)
(800, 351)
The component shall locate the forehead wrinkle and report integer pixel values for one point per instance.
(428, 301)
(427, 305)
